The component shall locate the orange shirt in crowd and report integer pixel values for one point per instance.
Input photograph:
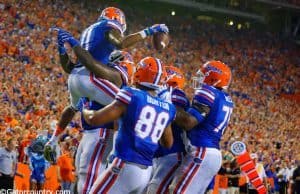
(65, 163)
(14, 122)
(223, 182)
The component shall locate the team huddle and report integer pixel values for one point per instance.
(141, 133)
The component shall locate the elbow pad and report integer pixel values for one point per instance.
(194, 112)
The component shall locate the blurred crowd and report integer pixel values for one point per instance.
(265, 85)
(293, 2)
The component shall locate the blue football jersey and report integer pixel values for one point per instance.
(141, 127)
(38, 166)
(93, 39)
(208, 133)
(179, 99)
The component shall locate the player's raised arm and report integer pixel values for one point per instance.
(65, 61)
(116, 37)
(116, 22)
(99, 69)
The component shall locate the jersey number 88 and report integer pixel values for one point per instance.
(150, 124)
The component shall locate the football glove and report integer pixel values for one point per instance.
(60, 45)
(50, 151)
(156, 28)
(65, 37)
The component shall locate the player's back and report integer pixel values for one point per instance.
(38, 165)
(209, 132)
(142, 126)
(94, 40)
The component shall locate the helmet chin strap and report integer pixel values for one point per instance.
(216, 82)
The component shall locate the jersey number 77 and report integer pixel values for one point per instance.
(226, 110)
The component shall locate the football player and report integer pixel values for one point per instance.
(205, 123)
(86, 78)
(96, 142)
(166, 160)
(144, 122)
(99, 39)
(93, 150)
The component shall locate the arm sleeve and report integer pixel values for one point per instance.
(89, 39)
(204, 96)
(180, 99)
(196, 114)
(125, 95)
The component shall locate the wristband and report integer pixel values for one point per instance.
(148, 31)
(143, 34)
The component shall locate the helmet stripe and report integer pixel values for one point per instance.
(159, 73)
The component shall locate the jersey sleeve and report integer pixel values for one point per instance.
(180, 99)
(90, 38)
(125, 95)
(204, 96)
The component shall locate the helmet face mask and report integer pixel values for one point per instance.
(124, 60)
(197, 80)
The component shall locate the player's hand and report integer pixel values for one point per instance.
(50, 151)
(156, 29)
(60, 45)
(83, 103)
(65, 37)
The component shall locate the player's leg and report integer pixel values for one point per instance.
(121, 177)
(40, 185)
(80, 178)
(88, 159)
(103, 91)
(163, 172)
(199, 166)
(83, 83)
(108, 139)
(33, 183)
